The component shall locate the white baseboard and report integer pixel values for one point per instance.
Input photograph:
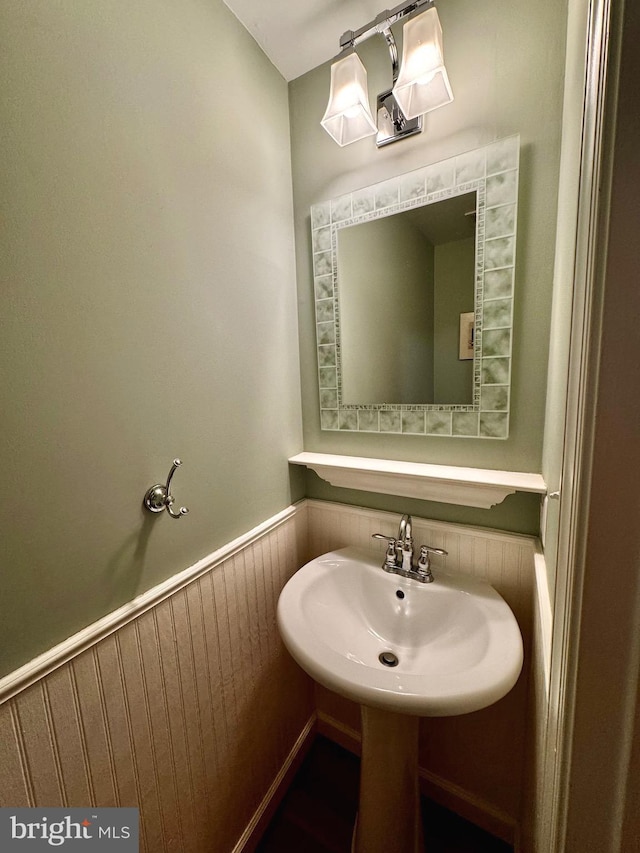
(254, 831)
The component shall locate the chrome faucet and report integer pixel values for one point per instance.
(398, 558)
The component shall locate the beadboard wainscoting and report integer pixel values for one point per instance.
(537, 806)
(475, 763)
(184, 703)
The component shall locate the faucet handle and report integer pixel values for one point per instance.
(424, 563)
(392, 544)
(382, 536)
(429, 550)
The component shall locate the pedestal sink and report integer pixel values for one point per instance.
(403, 650)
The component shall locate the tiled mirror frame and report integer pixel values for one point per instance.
(491, 171)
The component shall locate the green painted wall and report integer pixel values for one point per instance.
(506, 65)
(455, 273)
(148, 301)
(389, 267)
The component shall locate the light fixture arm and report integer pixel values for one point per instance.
(349, 39)
(393, 53)
(382, 23)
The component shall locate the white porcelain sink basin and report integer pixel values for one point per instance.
(456, 640)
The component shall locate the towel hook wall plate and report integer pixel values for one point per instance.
(159, 497)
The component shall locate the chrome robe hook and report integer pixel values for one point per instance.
(159, 497)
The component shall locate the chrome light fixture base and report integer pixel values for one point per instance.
(392, 124)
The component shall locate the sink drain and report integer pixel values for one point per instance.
(388, 659)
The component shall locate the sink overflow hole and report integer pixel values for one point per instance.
(388, 659)
(400, 593)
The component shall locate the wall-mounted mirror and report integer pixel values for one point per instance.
(414, 295)
(413, 272)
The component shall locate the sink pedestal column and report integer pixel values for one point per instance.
(389, 809)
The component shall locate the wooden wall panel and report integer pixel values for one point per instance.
(536, 818)
(188, 710)
(16, 783)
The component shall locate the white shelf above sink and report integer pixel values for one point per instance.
(478, 487)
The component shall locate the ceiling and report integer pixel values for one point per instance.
(298, 35)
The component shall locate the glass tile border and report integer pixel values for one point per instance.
(492, 171)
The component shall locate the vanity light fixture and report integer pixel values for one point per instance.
(421, 84)
(348, 115)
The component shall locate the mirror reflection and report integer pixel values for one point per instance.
(403, 283)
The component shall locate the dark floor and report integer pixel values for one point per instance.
(318, 812)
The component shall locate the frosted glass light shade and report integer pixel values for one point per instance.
(348, 114)
(422, 84)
